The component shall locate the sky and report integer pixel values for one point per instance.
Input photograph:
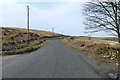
(63, 15)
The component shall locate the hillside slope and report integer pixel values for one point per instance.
(15, 40)
(15, 34)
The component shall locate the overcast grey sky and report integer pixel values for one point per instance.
(62, 15)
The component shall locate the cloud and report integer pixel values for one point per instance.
(12, 14)
(45, 0)
(65, 16)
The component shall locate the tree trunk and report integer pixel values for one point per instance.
(119, 38)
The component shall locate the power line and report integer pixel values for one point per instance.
(39, 17)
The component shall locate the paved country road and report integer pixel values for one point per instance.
(54, 60)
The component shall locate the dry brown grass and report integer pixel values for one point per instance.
(96, 38)
(40, 32)
(106, 49)
(21, 34)
(15, 40)
(103, 52)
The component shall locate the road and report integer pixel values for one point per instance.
(54, 60)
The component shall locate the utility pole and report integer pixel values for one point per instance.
(28, 24)
(52, 29)
(62, 31)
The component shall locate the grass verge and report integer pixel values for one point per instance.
(14, 40)
(25, 49)
(104, 54)
(100, 48)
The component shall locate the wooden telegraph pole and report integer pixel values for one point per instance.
(28, 22)
(52, 29)
(62, 32)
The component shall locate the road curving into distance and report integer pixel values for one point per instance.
(54, 60)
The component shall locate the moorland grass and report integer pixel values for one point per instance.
(105, 50)
(14, 40)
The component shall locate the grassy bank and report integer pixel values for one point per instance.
(26, 49)
(14, 40)
(103, 49)
(105, 53)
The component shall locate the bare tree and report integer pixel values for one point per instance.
(103, 16)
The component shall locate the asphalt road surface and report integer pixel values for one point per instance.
(54, 60)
